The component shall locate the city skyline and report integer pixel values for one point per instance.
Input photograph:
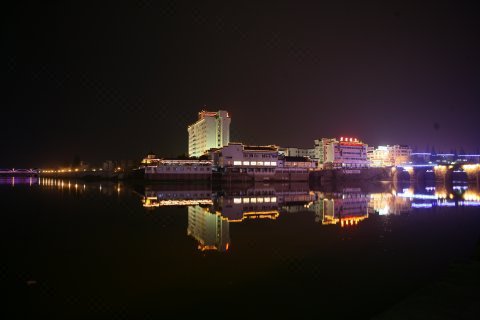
(128, 81)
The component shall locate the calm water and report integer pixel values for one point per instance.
(108, 250)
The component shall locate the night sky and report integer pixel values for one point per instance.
(116, 81)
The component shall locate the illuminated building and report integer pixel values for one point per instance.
(212, 130)
(296, 163)
(342, 153)
(389, 155)
(320, 149)
(150, 159)
(297, 152)
(211, 230)
(294, 168)
(257, 161)
(179, 170)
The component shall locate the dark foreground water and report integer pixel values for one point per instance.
(74, 250)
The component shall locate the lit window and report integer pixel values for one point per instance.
(267, 163)
(237, 200)
(237, 163)
(266, 199)
(259, 200)
(253, 163)
(260, 163)
(273, 163)
(253, 200)
(246, 200)
(246, 163)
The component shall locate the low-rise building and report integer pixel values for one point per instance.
(179, 170)
(297, 152)
(296, 163)
(383, 156)
(257, 161)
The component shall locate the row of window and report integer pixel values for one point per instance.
(255, 200)
(257, 155)
(186, 168)
(255, 163)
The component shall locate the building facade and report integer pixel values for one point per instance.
(297, 152)
(212, 130)
(179, 170)
(237, 158)
(384, 156)
(319, 149)
(341, 153)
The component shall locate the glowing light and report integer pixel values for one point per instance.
(422, 205)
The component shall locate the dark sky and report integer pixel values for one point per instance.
(116, 81)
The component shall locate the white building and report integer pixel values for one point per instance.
(212, 130)
(389, 155)
(297, 152)
(240, 158)
(344, 153)
(319, 149)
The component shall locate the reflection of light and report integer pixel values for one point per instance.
(471, 195)
(154, 202)
(384, 211)
(469, 203)
(258, 215)
(422, 205)
(446, 204)
(418, 196)
(345, 222)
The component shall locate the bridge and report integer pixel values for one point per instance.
(440, 172)
(18, 172)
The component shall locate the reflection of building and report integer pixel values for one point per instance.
(211, 230)
(212, 130)
(237, 209)
(343, 153)
(386, 203)
(389, 155)
(169, 197)
(344, 209)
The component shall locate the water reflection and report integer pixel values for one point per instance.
(211, 211)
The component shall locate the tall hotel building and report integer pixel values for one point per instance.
(212, 130)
